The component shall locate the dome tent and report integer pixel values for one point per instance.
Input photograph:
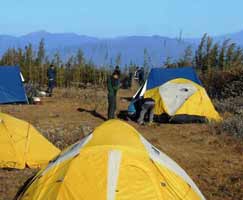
(114, 162)
(178, 93)
(22, 145)
(11, 85)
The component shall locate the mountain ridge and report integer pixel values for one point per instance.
(103, 51)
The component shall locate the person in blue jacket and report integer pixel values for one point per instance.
(51, 75)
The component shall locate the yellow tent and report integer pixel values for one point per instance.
(196, 103)
(113, 163)
(22, 145)
(179, 94)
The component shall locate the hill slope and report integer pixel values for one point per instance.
(101, 51)
(104, 51)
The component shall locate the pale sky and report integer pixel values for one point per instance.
(111, 18)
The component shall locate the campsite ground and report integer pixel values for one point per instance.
(215, 162)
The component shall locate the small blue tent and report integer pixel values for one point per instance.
(11, 85)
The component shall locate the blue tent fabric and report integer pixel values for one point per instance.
(11, 86)
(159, 76)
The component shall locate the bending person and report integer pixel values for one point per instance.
(139, 108)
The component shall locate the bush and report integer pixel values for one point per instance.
(223, 84)
(232, 109)
(231, 105)
(233, 126)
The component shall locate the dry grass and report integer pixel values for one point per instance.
(215, 162)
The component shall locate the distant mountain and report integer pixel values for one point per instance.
(104, 51)
(235, 37)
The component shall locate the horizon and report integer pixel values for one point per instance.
(115, 37)
(109, 19)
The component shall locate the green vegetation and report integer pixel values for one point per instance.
(232, 123)
(75, 72)
(218, 64)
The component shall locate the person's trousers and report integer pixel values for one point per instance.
(111, 106)
(146, 108)
(51, 85)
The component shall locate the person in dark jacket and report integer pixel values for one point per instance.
(113, 85)
(51, 75)
(117, 69)
(136, 73)
(130, 79)
(141, 76)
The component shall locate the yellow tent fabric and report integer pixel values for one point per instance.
(198, 104)
(113, 163)
(22, 145)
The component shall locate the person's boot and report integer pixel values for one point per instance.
(141, 123)
(151, 124)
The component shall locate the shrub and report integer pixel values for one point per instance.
(232, 109)
(223, 84)
(231, 105)
(233, 126)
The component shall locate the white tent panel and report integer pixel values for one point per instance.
(174, 95)
(22, 78)
(142, 90)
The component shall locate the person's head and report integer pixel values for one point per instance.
(117, 67)
(52, 66)
(115, 75)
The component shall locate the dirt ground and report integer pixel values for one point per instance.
(215, 162)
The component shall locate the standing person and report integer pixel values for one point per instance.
(130, 79)
(113, 84)
(136, 73)
(141, 76)
(51, 75)
(117, 69)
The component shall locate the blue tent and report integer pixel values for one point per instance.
(11, 86)
(159, 76)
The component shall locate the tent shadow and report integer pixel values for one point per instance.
(93, 112)
(24, 187)
(164, 118)
(123, 115)
(127, 98)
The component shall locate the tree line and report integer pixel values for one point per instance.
(70, 73)
(210, 55)
(209, 58)
(219, 65)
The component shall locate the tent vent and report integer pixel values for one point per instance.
(163, 184)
